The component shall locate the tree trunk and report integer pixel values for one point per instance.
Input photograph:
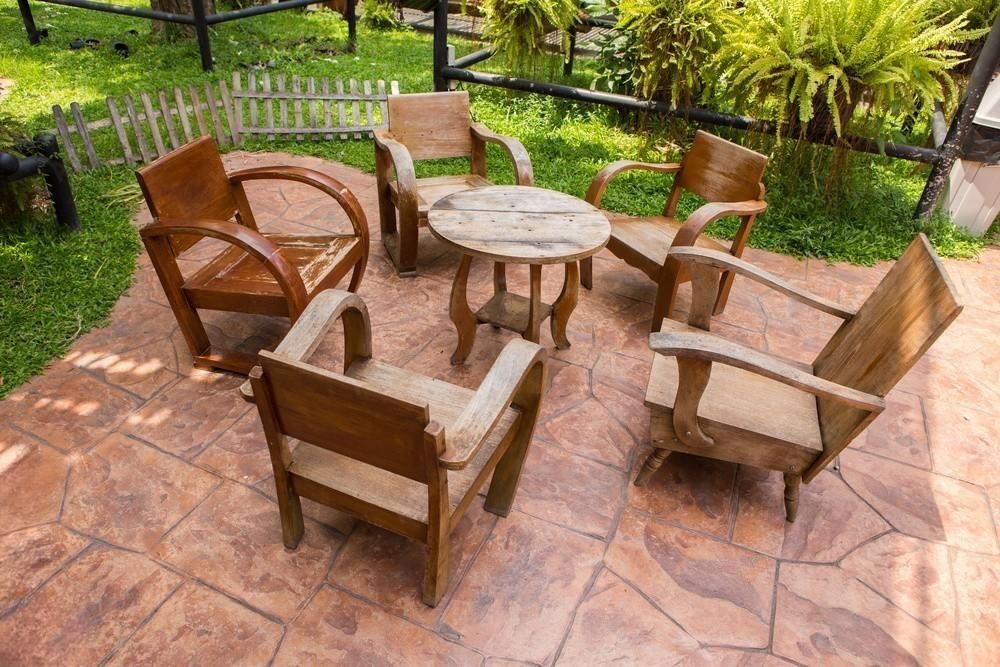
(174, 30)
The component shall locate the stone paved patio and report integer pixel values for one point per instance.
(137, 524)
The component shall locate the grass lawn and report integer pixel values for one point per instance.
(55, 286)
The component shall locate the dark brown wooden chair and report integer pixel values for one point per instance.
(724, 174)
(394, 448)
(428, 126)
(192, 198)
(716, 398)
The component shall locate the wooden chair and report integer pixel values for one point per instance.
(722, 400)
(192, 198)
(397, 449)
(728, 176)
(430, 126)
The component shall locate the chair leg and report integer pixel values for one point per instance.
(652, 464)
(666, 295)
(506, 476)
(409, 229)
(587, 272)
(357, 274)
(436, 571)
(792, 484)
(290, 509)
(725, 286)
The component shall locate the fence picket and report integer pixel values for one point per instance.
(63, 131)
(116, 122)
(341, 112)
(196, 105)
(168, 120)
(227, 108)
(297, 88)
(182, 113)
(269, 106)
(154, 127)
(140, 138)
(81, 131)
(282, 103)
(213, 109)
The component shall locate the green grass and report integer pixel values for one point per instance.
(54, 286)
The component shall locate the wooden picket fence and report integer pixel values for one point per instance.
(139, 132)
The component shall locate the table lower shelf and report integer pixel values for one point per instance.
(510, 311)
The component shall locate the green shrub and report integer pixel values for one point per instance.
(980, 14)
(665, 47)
(380, 15)
(517, 28)
(816, 60)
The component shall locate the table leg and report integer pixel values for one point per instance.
(499, 283)
(533, 331)
(564, 305)
(461, 315)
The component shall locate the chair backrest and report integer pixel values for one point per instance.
(346, 416)
(432, 125)
(871, 352)
(188, 183)
(719, 171)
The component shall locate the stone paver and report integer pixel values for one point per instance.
(138, 522)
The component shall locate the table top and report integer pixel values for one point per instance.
(519, 224)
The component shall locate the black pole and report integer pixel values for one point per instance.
(201, 32)
(352, 25)
(440, 44)
(53, 171)
(571, 56)
(980, 78)
(29, 21)
(124, 10)
(473, 58)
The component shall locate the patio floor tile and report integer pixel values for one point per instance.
(337, 629)
(977, 582)
(233, 542)
(25, 463)
(83, 612)
(28, 557)
(198, 626)
(130, 494)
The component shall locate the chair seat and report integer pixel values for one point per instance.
(777, 424)
(400, 495)
(235, 280)
(644, 242)
(429, 190)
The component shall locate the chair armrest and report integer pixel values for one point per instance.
(706, 347)
(251, 241)
(520, 362)
(726, 262)
(595, 193)
(317, 179)
(308, 331)
(402, 162)
(709, 213)
(515, 149)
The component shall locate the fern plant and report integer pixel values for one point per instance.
(670, 44)
(517, 28)
(816, 60)
(979, 14)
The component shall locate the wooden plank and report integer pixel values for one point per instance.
(168, 121)
(238, 102)
(154, 128)
(227, 107)
(63, 130)
(213, 109)
(196, 104)
(282, 102)
(254, 109)
(394, 90)
(383, 110)
(327, 107)
(116, 121)
(341, 112)
(355, 108)
(81, 130)
(368, 105)
(311, 88)
(297, 88)
(182, 113)
(140, 138)
(268, 106)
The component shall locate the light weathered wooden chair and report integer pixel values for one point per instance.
(722, 400)
(427, 126)
(192, 198)
(394, 448)
(724, 174)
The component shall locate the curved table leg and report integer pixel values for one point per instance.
(533, 331)
(461, 315)
(564, 305)
(499, 283)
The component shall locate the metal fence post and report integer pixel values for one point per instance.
(201, 32)
(29, 21)
(440, 44)
(352, 25)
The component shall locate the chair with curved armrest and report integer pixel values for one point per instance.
(716, 398)
(192, 198)
(394, 448)
(726, 175)
(425, 126)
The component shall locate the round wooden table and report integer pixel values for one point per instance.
(510, 224)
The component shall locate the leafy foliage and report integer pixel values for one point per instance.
(380, 15)
(664, 47)
(517, 28)
(980, 14)
(800, 58)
